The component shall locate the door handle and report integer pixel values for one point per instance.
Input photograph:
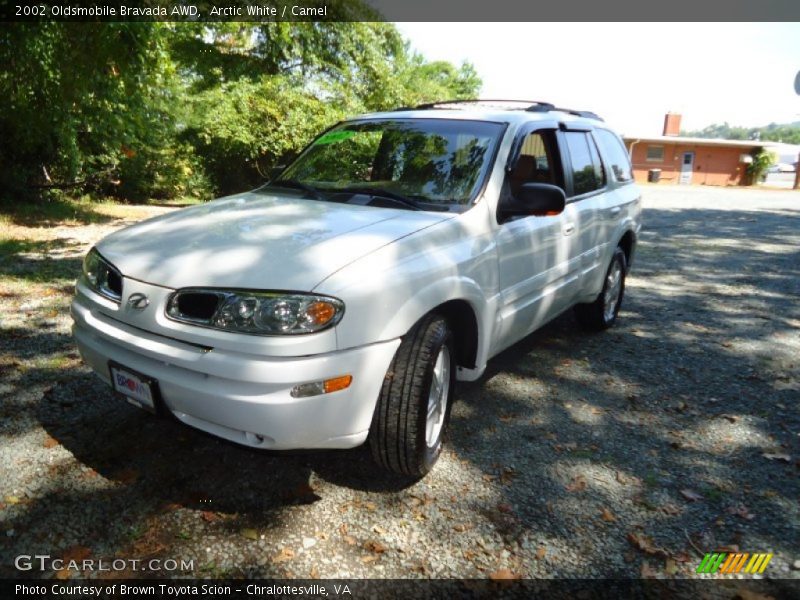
(569, 228)
(615, 211)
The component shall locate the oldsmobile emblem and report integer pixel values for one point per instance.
(138, 301)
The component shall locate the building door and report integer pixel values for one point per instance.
(687, 163)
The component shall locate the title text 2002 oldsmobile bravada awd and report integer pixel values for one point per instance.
(339, 303)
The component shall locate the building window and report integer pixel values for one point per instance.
(655, 153)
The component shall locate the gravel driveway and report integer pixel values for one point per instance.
(621, 454)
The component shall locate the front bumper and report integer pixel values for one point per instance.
(240, 396)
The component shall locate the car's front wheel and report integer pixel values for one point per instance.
(414, 404)
(602, 313)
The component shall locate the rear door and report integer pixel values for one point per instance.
(587, 201)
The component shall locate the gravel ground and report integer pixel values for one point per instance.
(621, 454)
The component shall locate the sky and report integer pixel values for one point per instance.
(631, 74)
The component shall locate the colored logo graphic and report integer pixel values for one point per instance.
(723, 562)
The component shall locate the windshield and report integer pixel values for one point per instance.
(435, 161)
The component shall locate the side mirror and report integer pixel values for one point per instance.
(534, 199)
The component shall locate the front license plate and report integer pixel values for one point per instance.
(136, 388)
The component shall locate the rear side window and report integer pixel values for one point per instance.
(615, 155)
(587, 170)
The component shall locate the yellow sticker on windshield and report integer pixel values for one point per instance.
(334, 137)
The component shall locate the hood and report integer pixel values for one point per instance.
(257, 240)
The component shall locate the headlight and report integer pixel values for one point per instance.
(259, 313)
(101, 276)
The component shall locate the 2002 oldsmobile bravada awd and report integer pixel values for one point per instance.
(339, 303)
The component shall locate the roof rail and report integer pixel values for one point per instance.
(528, 103)
(529, 106)
(580, 113)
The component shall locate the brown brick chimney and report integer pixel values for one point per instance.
(672, 124)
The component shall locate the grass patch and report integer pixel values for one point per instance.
(78, 211)
(49, 213)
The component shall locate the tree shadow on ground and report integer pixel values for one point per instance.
(562, 427)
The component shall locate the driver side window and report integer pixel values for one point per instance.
(537, 161)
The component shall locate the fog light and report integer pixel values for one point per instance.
(322, 387)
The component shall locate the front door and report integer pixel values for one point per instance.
(687, 163)
(533, 252)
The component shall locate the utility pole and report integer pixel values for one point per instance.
(797, 169)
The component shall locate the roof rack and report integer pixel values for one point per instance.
(529, 106)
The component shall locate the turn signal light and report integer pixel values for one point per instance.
(304, 390)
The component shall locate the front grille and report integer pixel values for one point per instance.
(194, 306)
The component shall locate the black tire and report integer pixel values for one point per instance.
(596, 316)
(397, 436)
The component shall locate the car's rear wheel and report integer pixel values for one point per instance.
(413, 408)
(602, 313)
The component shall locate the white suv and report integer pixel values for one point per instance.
(339, 303)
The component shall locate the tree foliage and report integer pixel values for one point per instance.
(165, 109)
(788, 133)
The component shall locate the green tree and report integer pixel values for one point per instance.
(163, 109)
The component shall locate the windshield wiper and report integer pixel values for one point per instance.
(297, 184)
(395, 197)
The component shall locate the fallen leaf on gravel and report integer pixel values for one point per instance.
(370, 558)
(349, 539)
(671, 509)
(691, 495)
(683, 557)
(507, 476)
(541, 552)
(127, 476)
(741, 511)
(302, 494)
(13, 500)
(284, 555)
(208, 516)
(50, 442)
(670, 566)
(646, 545)
(745, 594)
(370, 506)
(607, 515)
(314, 573)
(781, 457)
(647, 572)
(378, 529)
(731, 418)
(504, 574)
(250, 534)
(461, 527)
(504, 507)
(63, 574)
(76, 553)
(374, 546)
(730, 548)
(169, 507)
(578, 484)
